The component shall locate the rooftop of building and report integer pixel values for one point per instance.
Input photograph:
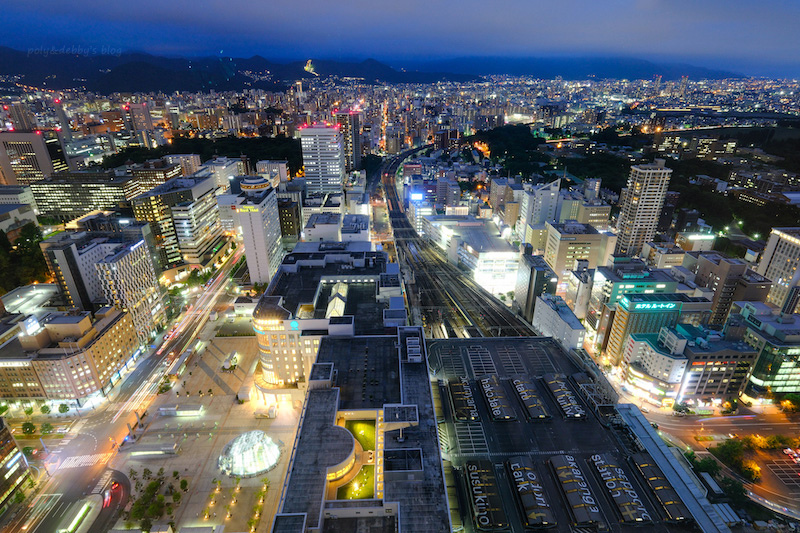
(13, 189)
(367, 370)
(789, 232)
(8, 208)
(353, 223)
(311, 279)
(370, 373)
(557, 304)
(304, 489)
(176, 184)
(573, 227)
(635, 269)
(318, 219)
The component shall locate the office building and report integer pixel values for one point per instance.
(275, 172)
(189, 163)
(571, 241)
(257, 223)
(71, 258)
(184, 215)
(477, 246)
(318, 290)
(648, 313)
(17, 194)
(79, 357)
(538, 205)
(640, 206)
(69, 195)
(129, 282)
(137, 117)
(667, 211)
(323, 159)
(731, 279)
(686, 364)
(350, 127)
(779, 263)
(24, 158)
(578, 290)
(289, 214)
(149, 175)
(662, 254)
(534, 278)
(553, 318)
(775, 336)
(223, 169)
(14, 469)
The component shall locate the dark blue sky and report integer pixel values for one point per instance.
(756, 38)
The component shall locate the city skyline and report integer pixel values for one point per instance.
(729, 36)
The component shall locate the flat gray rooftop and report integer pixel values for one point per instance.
(320, 444)
(366, 370)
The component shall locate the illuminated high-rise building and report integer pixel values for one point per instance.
(323, 158)
(779, 263)
(641, 203)
(350, 127)
(24, 158)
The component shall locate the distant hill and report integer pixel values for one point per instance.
(571, 68)
(137, 72)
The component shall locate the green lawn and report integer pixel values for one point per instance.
(360, 488)
(363, 431)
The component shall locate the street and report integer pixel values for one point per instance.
(76, 463)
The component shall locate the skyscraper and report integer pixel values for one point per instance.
(24, 158)
(350, 128)
(257, 219)
(323, 158)
(641, 204)
(780, 262)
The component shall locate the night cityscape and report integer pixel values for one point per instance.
(376, 268)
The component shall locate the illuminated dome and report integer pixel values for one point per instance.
(249, 454)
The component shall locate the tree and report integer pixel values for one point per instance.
(176, 497)
(146, 473)
(45, 409)
(160, 473)
(28, 411)
(176, 474)
(132, 473)
(3, 409)
(47, 428)
(19, 496)
(28, 428)
(709, 465)
(63, 408)
(146, 524)
(734, 490)
(184, 485)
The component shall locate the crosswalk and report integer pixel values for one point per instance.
(81, 461)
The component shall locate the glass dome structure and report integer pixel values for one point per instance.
(249, 454)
